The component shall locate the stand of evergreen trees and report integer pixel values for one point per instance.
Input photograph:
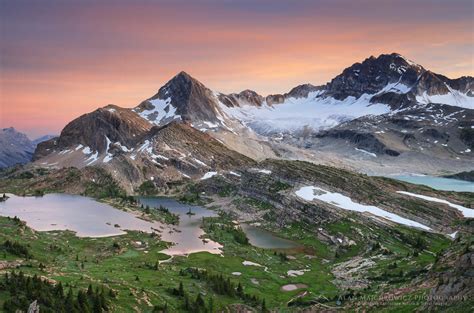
(220, 285)
(124, 198)
(237, 233)
(198, 305)
(16, 248)
(23, 290)
(164, 212)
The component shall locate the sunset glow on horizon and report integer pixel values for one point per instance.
(61, 59)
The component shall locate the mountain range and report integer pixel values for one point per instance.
(386, 114)
(293, 165)
(16, 147)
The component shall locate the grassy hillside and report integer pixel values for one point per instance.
(343, 259)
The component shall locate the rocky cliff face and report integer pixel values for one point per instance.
(373, 75)
(302, 91)
(107, 127)
(454, 274)
(397, 81)
(175, 152)
(182, 98)
(112, 122)
(246, 97)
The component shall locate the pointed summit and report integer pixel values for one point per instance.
(373, 75)
(184, 75)
(182, 97)
(182, 80)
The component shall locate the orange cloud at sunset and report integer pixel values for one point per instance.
(60, 59)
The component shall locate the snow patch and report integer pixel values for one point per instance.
(465, 211)
(453, 235)
(87, 150)
(108, 156)
(211, 125)
(159, 156)
(294, 273)
(453, 97)
(200, 162)
(310, 193)
(187, 176)
(144, 146)
(162, 111)
(208, 175)
(367, 152)
(92, 158)
(250, 263)
(122, 147)
(395, 88)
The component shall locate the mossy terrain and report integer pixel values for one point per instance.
(139, 282)
(341, 260)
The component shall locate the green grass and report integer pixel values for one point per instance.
(133, 273)
(79, 262)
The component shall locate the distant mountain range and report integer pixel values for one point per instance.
(16, 147)
(386, 113)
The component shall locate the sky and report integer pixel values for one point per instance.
(61, 59)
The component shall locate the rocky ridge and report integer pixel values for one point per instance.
(374, 111)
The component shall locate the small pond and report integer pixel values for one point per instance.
(262, 238)
(187, 235)
(89, 218)
(82, 215)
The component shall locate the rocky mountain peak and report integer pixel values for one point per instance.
(9, 129)
(249, 93)
(94, 129)
(180, 82)
(182, 98)
(245, 97)
(250, 96)
(302, 91)
(12, 133)
(15, 147)
(373, 75)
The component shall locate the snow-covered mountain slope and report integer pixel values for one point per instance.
(375, 86)
(453, 98)
(186, 99)
(379, 108)
(313, 111)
